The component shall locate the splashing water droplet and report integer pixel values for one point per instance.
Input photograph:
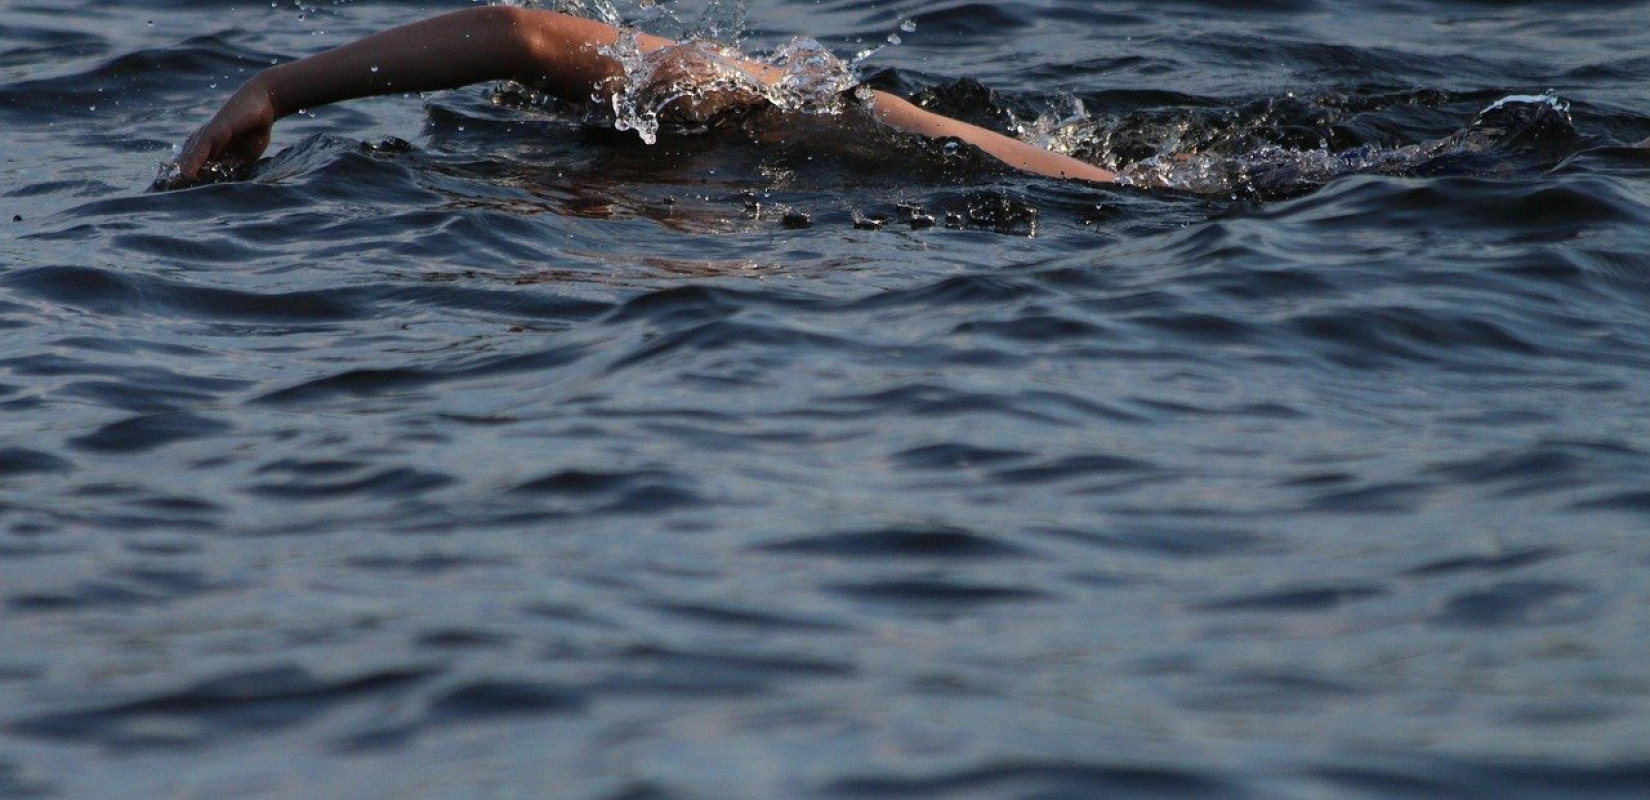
(814, 79)
(628, 110)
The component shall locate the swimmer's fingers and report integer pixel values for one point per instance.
(199, 151)
(216, 148)
(237, 135)
(202, 159)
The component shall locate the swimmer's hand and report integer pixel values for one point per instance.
(235, 137)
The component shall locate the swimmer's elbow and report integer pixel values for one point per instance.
(523, 32)
(562, 53)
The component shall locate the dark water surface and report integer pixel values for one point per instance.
(471, 450)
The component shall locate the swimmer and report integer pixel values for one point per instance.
(551, 52)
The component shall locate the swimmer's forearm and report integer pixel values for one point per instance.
(899, 113)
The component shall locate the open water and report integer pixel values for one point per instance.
(471, 448)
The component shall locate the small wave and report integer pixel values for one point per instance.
(934, 597)
(150, 431)
(1520, 603)
(588, 491)
(1042, 779)
(710, 667)
(122, 589)
(1524, 779)
(747, 619)
(898, 543)
(246, 702)
(470, 701)
(136, 77)
(1295, 599)
(23, 461)
(1490, 563)
(114, 293)
(303, 482)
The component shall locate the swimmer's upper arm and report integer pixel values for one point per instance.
(902, 114)
(559, 52)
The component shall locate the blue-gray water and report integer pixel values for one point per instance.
(470, 450)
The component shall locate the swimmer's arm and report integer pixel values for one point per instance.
(555, 52)
(896, 112)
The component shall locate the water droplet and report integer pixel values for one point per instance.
(150, 23)
(909, 26)
(893, 38)
(374, 68)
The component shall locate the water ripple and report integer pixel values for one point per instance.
(240, 703)
(464, 436)
(900, 543)
(1032, 779)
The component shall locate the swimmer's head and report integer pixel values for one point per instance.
(694, 84)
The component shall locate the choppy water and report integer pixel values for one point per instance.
(473, 450)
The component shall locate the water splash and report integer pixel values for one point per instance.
(716, 20)
(893, 39)
(693, 85)
(600, 10)
(814, 81)
(688, 86)
(1513, 133)
(1061, 129)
